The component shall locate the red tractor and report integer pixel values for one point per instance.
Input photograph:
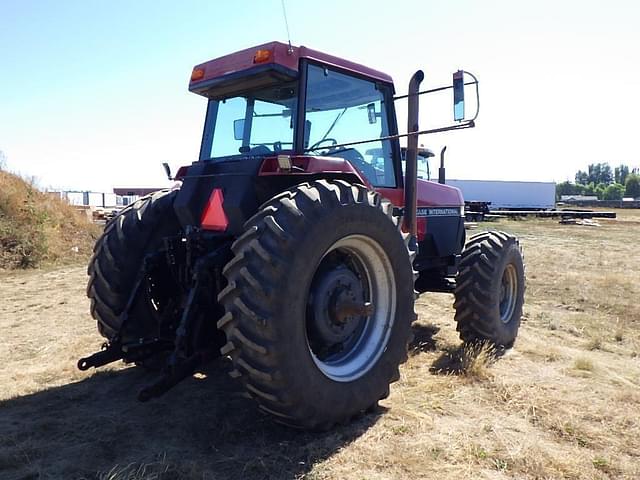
(297, 244)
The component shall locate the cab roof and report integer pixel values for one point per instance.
(270, 62)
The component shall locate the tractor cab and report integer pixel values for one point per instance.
(275, 100)
(278, 116)
(299, 114)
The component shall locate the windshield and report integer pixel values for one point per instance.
(257, 123)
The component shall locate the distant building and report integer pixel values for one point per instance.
(579, 198)
(85, 198)
(128, 195)
(138, 192)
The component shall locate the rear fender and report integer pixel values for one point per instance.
(248, 182)
(310, 166)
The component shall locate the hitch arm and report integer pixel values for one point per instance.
(109, 354)
(181, 371)
(129, 352)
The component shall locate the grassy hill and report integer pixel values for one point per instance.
(38, 229)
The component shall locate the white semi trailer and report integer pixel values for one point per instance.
(508, 194)
(501, 194)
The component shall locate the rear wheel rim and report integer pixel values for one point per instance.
(370, 282)
(508, 293)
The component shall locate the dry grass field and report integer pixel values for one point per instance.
(565, 403)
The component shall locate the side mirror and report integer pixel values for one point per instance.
(458, 96)
(167, 170)
(371, 112)
(238, 128)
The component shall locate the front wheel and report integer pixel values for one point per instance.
(319, 303)
(490, 289)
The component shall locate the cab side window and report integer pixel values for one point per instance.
(340, 109)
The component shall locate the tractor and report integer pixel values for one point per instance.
(297, 243)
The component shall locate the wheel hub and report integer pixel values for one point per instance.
(508, 293)
(350, 308)
(338, 305)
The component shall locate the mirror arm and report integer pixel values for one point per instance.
(477, 84)
(439, 89)
(460, 126)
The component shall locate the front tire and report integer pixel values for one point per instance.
(490, 290)
(319, 303)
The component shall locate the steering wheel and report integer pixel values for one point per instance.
(259, 149)
(324, 140)
(354, 157)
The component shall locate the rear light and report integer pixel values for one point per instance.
(262, 56)
(197, 74)
(213, 216)
(283, 164)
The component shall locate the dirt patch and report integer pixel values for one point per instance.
(563, 404)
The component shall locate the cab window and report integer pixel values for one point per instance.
(341, 109)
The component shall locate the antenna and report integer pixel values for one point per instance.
(286, 24)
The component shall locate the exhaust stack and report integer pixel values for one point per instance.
(411, 169)
(441, 172)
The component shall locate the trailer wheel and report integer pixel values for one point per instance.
(319, 303)
(117, 261)
(490, 289)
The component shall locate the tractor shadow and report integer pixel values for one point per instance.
(468, 359)
(203, 428)
(423, 340)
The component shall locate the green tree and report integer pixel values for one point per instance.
(589, 189)
(594, 173)
(600, 173)
(620, 174)
(632, 185)
(606, 174)
(582, 178)
(615, 191)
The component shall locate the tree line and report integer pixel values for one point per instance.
(604, 182)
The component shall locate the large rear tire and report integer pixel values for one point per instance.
(319, 303)
(117, 261)
(490, 289)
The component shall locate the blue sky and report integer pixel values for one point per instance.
(93, 94)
